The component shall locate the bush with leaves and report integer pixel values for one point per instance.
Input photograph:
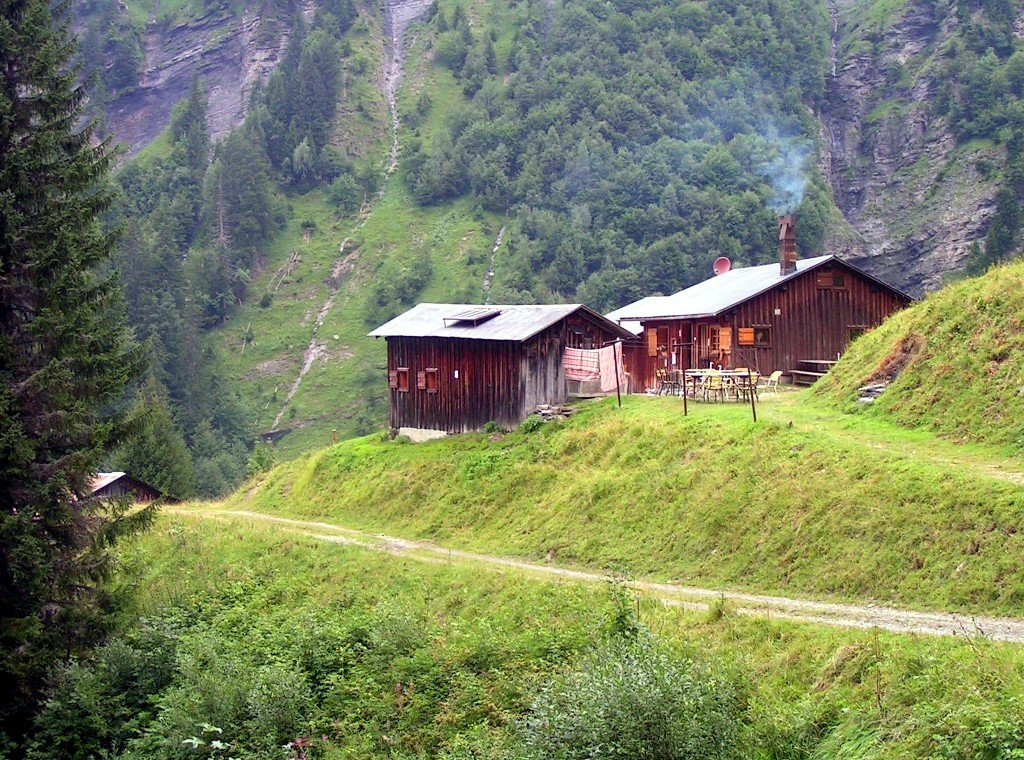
(633, 698)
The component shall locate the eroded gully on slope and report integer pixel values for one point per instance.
(398, 15)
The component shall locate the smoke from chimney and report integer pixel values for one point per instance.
(787, 244)
(785, 168)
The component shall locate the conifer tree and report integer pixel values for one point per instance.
(65, 358)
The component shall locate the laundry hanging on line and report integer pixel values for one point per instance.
(581, 364)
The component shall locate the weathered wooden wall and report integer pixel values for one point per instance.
(122, 487)
(542, 372)
(489, 385)
(812, 323)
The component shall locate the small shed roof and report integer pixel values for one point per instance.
(723, 292)
(475, 322)
(104, 479)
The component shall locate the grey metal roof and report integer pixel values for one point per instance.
(515, 322)
(715, 295)
(640, 306)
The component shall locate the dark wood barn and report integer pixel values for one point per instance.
(454, 367)
(797, 316)
(113, 485)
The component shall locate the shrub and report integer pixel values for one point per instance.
(266, 300)
(633, 699)
(531, 424)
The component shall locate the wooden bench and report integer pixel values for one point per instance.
(803, 377)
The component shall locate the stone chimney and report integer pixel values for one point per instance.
(787, 244)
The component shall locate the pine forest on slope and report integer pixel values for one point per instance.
(587, 152)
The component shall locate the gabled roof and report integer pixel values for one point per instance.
(725, 291)
(104, 479)
(636, 307)
(512, 322)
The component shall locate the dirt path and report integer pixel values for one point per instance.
(689, 597)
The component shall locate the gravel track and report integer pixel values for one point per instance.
(690, 597)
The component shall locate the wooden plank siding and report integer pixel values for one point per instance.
(499, 381)
(806, 317)
(814, 322)
(490, 384)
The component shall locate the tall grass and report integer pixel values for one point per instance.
(257, 639)
(955, 363)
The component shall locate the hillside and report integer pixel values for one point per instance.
(265, 644)
(826, 508)
(917, 133)
(953, 364)
(322, 171)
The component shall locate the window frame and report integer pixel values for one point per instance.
(762, 336)
(431, 378)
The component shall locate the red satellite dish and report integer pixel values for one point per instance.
(721, 265)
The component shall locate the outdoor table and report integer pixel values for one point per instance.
(694, 377)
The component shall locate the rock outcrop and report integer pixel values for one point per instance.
(913, 199)
(229, 52)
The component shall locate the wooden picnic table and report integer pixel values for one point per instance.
(695, 377)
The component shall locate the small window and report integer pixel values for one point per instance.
(427, 380)
(856, 331)
(762, 336)
(829, 280)
(402, 377)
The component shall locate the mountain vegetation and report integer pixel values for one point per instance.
(635, 143)
(540, 152)
(618, 149)
(66, 362)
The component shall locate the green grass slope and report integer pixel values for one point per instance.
(826, 507)
(254, 637)
(954, 363)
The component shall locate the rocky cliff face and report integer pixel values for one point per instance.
(229, 52)
(913, 200)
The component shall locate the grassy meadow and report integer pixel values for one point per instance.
(248, 641)
(802, 502)
(954, 363)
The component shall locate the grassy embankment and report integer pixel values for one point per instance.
(832, 507)
(955, 361)
(268, 636)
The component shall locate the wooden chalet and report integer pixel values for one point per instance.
(797, 316)
(454, 367)
(115, 485)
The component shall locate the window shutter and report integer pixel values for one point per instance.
(725, 338)
(421, 381)
(393, 378)
(652, 341)
(745, 336)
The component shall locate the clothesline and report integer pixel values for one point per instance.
(595, 364)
